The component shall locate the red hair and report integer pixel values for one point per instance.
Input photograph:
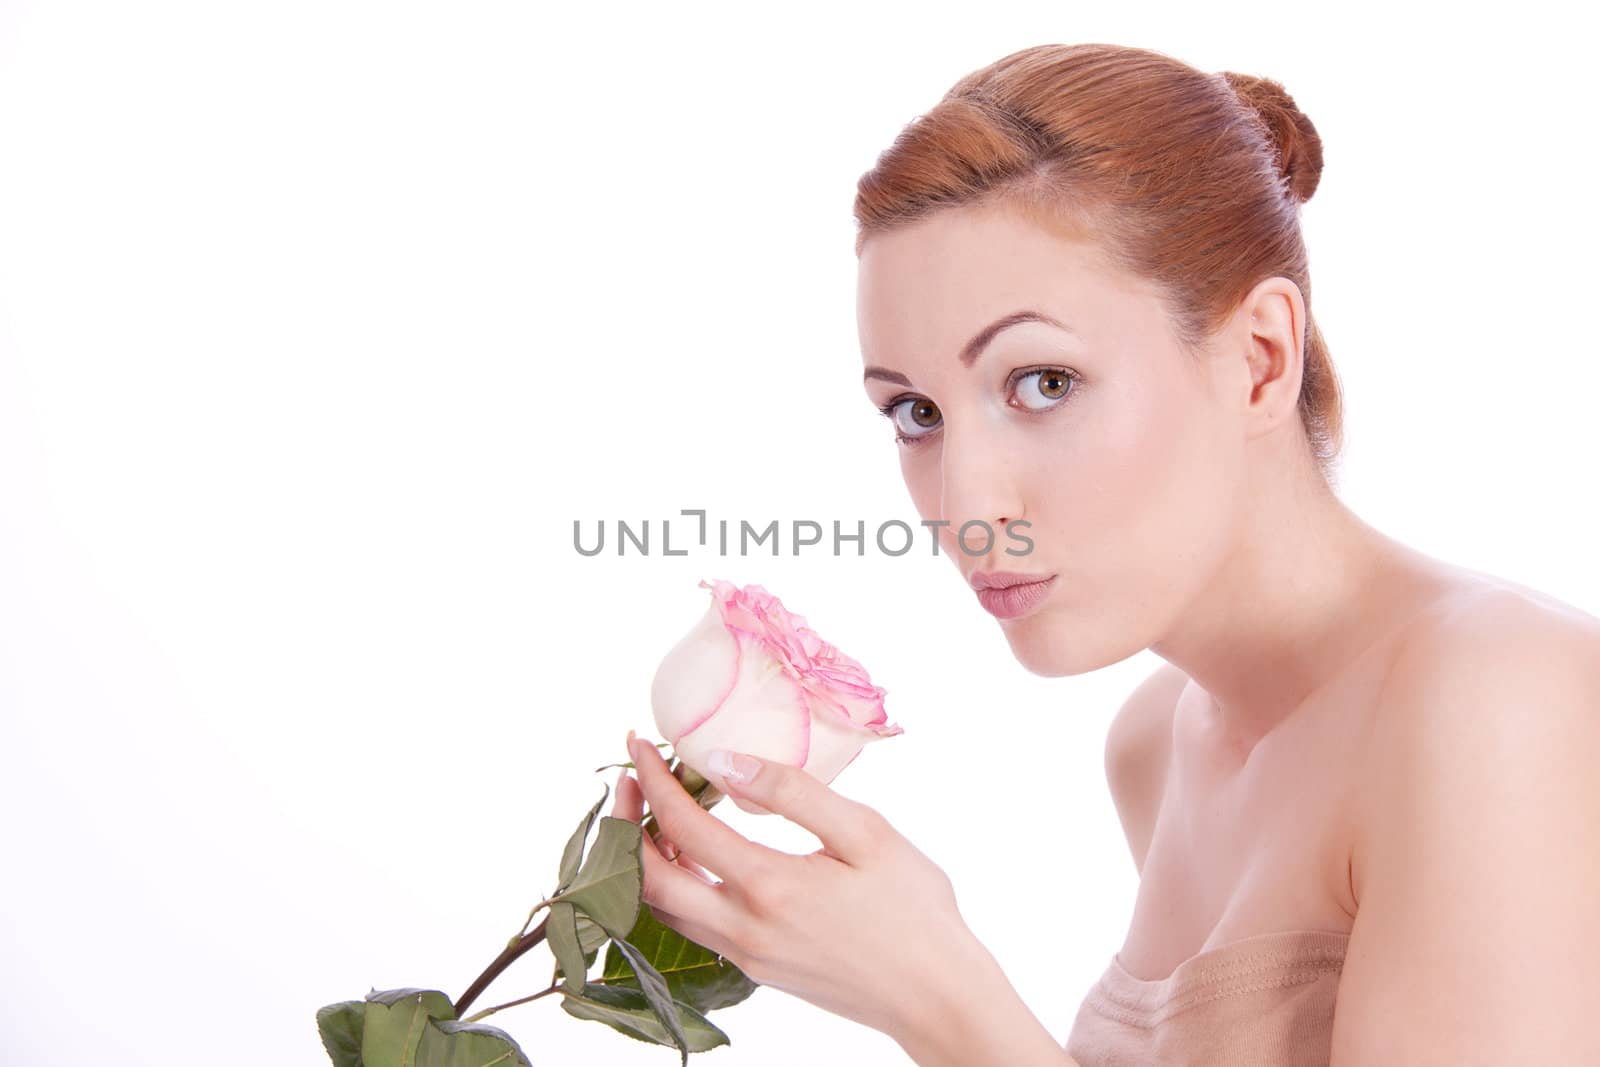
(1191, 180)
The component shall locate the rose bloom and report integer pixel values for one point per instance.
(752, 677)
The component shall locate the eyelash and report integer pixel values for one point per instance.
(915, 440)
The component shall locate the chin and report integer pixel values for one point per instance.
(1047, 647)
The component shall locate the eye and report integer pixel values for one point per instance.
(913, 417)
(1042, 388)
(1037, 390)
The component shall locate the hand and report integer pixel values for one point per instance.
(865, 927)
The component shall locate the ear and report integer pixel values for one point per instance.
(1272, 325)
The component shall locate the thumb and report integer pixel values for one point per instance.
(765, 786)
(734, 774)
(748, 805)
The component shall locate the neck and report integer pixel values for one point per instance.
(1307, 589)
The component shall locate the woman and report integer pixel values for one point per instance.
(1359, 791)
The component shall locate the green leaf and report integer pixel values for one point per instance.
(695, 975)
(393, 1023)
(608, 886)
(457, 1044)
(561, 934)
(656, 992)
(591, 935)
(627, 1011)
(340, 1027)
(438, 1005)
(574, 850)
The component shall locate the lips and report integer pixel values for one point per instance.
(1016, 600)
(981, 580)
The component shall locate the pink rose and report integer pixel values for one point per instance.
(752, 677)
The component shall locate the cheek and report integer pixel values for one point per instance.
(1149, 498)
(923, 479)
(1154, 449)
(921, 476)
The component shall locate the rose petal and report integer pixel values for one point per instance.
(785, 667)
(695, 677)
(765, 715)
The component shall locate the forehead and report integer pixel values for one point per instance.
(929, 284)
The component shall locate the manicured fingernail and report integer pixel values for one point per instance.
(734, 767)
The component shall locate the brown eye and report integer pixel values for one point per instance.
(914, 417)
(1041, 388)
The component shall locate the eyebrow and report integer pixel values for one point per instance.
(974, 348)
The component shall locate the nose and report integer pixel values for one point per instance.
(978, 497)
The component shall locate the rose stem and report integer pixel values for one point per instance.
(501, 962)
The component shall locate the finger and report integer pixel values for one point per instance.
(695, 869)
(627, 803)
(695, 932)
(684, 894)
(630, 806)
(652, 844)
(682, 861)
(712, 842)
(674, 854)
(849, 830)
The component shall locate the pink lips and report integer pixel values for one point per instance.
(1008, 595)
(1002, 579)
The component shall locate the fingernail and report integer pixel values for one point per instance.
(734, 767)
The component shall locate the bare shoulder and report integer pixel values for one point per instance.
(1487, 629)
(1474, 865)
(1137, 748)
(1497, 658)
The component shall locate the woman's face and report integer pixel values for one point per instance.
(1122, 452)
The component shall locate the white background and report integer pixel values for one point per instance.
(320, 323)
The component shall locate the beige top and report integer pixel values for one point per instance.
(1261, 1001)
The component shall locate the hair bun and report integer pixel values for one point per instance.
(1298, 147)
